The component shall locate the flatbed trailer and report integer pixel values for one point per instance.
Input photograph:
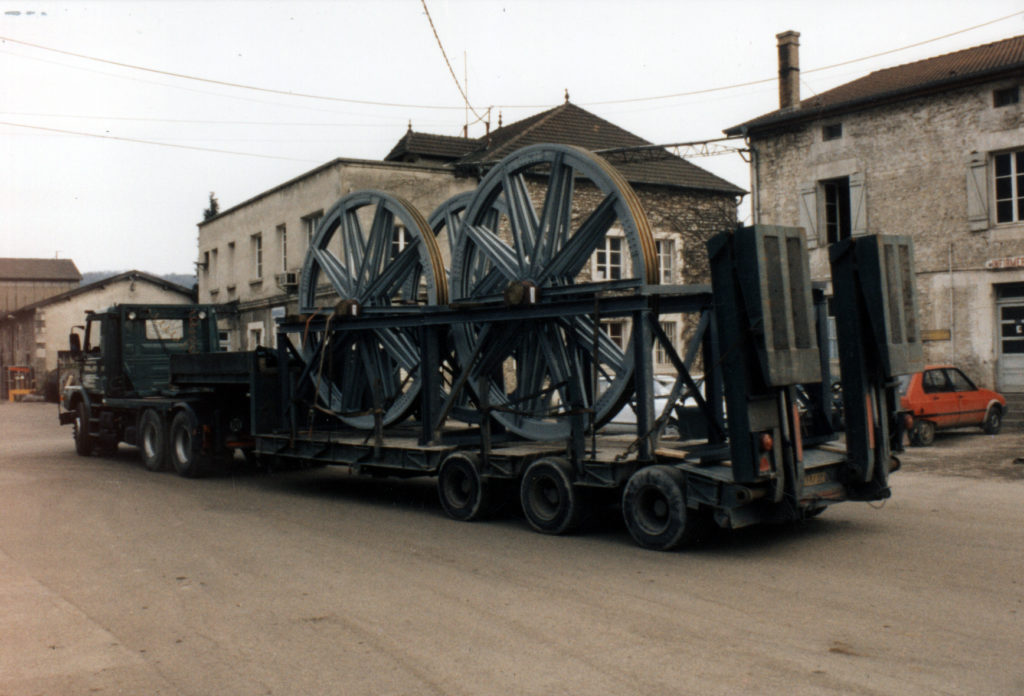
(510, 389)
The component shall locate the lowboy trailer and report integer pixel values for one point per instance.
(508, 387)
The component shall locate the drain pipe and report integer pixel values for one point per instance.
(952, 310)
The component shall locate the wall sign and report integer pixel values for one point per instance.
(1008, 262)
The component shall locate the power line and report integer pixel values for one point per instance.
(447, 62)
(225, 83)
(507, 106)
(144, 119)
(153, 142)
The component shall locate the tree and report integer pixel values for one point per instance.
(214, 208)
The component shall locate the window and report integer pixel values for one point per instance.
(399, 241)
(282, 238)
(255, 335)
(310, 223)
(615, 330)
(257, 255)
(833, 209)
(666, 260)
(213, 268)
(837, 208)
(1006, 97)
(206, 263)
(609, 259)
(1009, 186)
(833, 131)
(660, 354)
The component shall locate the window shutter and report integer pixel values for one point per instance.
(977, 192)
(858, 209)
(809, 213)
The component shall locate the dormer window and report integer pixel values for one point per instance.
(1006, 96)
(833, 131)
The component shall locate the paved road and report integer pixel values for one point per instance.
(114, 580)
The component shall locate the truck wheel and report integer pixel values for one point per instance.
(654, 508)
(83, 440)
(185, 443)
(461, 488)
(923, 433)
(550, 502)
(152, 440)
(993, 421)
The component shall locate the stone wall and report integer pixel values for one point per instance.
(915, 158)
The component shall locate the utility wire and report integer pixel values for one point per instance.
(154, 142)
(224, 83)
(507, 106)
(448, 63)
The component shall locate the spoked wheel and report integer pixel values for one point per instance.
(373, 253)
(550, 502)
(655, 511)
(546, 222)
(461, 487)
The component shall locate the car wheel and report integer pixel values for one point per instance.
(993, 420)
(923, 433)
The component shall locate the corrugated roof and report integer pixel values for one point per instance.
(903, 82)
(39, 269)
(568, 124)
(445, 147)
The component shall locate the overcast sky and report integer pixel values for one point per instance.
(114, 204)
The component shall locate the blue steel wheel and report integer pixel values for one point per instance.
(375, 254)
(552, 219)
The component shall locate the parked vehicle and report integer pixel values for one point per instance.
(941, 397)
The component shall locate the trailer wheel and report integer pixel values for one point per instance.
(654, 508)
(83, 440)
(923, 433)
(550, 502)
(185, 444)
(461, 488)
(152, 440)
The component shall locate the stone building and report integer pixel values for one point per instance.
(24, 281)
(31, 335)
(932, 149)
(250, 254)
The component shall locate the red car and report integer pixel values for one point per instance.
(943, 397)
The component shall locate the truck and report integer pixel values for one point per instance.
(499, 376)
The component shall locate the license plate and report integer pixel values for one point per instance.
(815, 478)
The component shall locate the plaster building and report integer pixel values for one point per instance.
(32, 335)
(24, 281)
(250, 254)
(932, 149)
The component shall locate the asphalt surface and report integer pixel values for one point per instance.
(114, 580)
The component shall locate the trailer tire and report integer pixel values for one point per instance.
(152, 440)
(185, 445)
(83, 440)
(655, 511)
(462, 489)
(550, 502)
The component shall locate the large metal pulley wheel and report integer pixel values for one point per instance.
(546, 221)
(373, 253)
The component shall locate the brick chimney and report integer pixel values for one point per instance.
(789, 69)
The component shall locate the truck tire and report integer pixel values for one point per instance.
(461, 487)
(83, 440)
(185, 443)
(550, 502)
(152, 440)
(655, 511)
